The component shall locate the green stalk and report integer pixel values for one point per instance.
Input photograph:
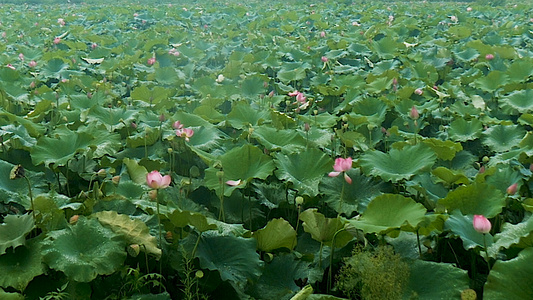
(31, 199)
(486, 250)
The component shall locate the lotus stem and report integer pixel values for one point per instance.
(418, 242)
(486, 250)
(31, 199)
(330, 271)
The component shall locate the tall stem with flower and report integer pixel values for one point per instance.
(482, 225)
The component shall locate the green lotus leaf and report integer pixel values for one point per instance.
(288, 141)
(14, 230)
(328, 231)
(445, 150)
(169, 76)
(19, 266)
(273, 286)
(520, 70)
(205, 138)
(378, 84)
(235, 258)
(183, 218)
(431, 280)
(398, 164)
(17, 137)
(511, 279)
(501, 138)
(243, 115)
(151, 96)
(492, 81)
(389, 212)
(304, 170)
(147, 136)
(450, 176)
(136, 172)
(252, 86)
(386, 47)
(34, 130)
(60, 150)
(278, 233)
(462, 226)
(10, 296)
(519, 101)
(190, 120)
(84, 250)
(55, 68)
(475, 199)
(513, 235)
(355, 197)
(323, 120)
(133, 231)
(462, 130)
(104, 142)
(292, 71)
(17, 190)
(112, 118)
(468, 54)
(370, 110)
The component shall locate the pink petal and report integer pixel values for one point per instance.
(334, 174)
(293, 93)
(346, 164)
(347, 178)
(165, 181)
(481, 224)
(233, 182)
(338, 164)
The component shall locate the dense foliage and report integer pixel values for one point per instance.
(236, 151)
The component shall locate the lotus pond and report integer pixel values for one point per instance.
(289, 150)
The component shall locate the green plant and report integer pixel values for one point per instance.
(60, 294)
(376, 274)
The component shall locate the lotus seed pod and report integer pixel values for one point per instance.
(194, 171)
(134, 250)
(115, 179)
(486, 159)
(268, 257)
(102, 173)
(299, 200)
(152, 194)
(199, 274)
(468, 294)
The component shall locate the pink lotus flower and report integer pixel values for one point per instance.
(185, 133)
(151, 61)
(419, 92)
(21, 56)
(481, 224)
(155, 180)
(300, 97)
(322, 34)
(324, 59)
(489, 56)
(511, 190)
(10, 66)
(342, 165)
(94, 45)
(57, 40)
(61, 22)
(32, 64)
(413, 114)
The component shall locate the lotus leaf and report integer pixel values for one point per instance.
(461, 226)
(278, 233)
(511, 279)
(287, 141)
(431, 280)
(519, 101)
(513, 235)
(475, 199)
(84, 250)
(234, 258)
(19, 266)
(501, 138)
(462, 130)
(14, 230)
(58, 151)
(397, 165)
(133, 231)
(304, 170)
(389, 212)
(329, 231)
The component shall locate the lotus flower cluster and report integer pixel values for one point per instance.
(300, 98)
(342, 165)
(185, 133)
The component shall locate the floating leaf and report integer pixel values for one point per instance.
(134, 231)
(519, 100)
(511, 279)
(388, 212)
(51, 150)
(288, 141)
(84, 250)
(398, 164)
(304, 169)
(14, 230)
(278, 233)
(243, 115)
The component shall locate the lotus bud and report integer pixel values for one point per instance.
(73, 220)
(322, 34)
(307, 127)
(324, 59)
(169, 236)
(161, 118)
(413, 114)
(115, 179)
(511, 190)
(271, 94)
(419, 92)
(32, 64)
(481, 224)
(134, 250)
(489, 56)
(101, 173)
